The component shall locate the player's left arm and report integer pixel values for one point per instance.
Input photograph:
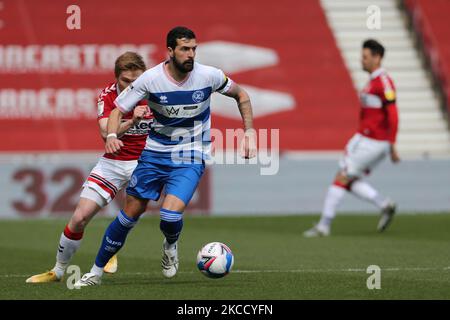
(392, 112)
(248, 146)
(244, 104)
(389, 102)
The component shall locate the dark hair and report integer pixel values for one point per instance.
(374, 46)
(178, 33)
(129, 61)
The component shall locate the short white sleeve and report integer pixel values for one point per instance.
(221, 83)
(135, 92)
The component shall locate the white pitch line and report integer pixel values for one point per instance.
(14, 275)
(340, 270)
(264, 271)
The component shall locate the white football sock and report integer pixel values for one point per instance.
(366, 192)
(332, 200)
(97, 270)
(168, 246)
(66, 249)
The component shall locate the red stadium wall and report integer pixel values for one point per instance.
(431, 20)
(49, 105)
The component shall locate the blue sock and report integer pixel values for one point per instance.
(114, 238)
(171, 224)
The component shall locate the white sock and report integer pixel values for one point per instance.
(97, 270)
(168, 246)
(332, 200)
(66, 249)
(366, 192)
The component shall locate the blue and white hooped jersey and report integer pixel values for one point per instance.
(181, 110)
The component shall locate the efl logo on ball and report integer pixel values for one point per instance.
(215, 260)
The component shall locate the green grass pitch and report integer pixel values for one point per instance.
(272, 259)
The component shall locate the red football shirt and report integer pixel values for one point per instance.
(379, 117)
(134, 139)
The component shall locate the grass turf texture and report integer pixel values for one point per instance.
(272, 259)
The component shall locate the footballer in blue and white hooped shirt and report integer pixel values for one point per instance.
(178, 93)
(181, 109)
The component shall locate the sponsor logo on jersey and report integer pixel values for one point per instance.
(141, 128)
(190, 108)
(172, 111)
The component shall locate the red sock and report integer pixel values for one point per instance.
(342, 185)
(72, 235)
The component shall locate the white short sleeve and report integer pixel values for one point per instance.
(135, 92)
(221, 83)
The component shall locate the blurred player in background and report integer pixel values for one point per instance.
(112, 171)
(179, 93)
(375, 139)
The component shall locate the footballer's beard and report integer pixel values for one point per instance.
(184, 67)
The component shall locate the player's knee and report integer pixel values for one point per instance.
(343, 180)
(85, 210)
(79, 220)
(173, 203)
(134, 207)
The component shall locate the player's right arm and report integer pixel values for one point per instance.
(138, 115)
(113, 144)
(117, 127)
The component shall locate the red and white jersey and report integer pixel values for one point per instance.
(379, 117)
(134, 139)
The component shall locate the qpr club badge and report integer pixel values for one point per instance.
(198, 96)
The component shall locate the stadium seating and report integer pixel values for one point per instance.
(423, 131)
(430, 19)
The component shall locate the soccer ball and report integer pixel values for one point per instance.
(215, 260)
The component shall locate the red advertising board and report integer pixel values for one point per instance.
(283, 52)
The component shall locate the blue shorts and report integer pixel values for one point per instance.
(156, 170)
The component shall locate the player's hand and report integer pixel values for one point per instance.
(113, 145)
(140, 112)
(394, 154)
(248, 144)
